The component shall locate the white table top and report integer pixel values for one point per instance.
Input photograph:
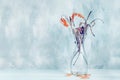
(98, 74)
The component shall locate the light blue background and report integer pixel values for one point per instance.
(32, 37)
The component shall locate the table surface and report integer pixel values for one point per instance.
(96, 74)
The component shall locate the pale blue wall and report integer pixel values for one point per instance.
(31, 35)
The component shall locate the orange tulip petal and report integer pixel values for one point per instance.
(64, 22)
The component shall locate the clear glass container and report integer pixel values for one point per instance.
(79, 63)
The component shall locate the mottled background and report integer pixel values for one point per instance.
(32, 37)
